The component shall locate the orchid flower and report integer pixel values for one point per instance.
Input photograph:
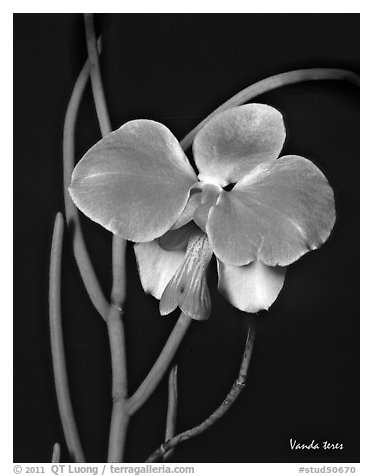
(255, 212)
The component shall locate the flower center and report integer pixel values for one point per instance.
(188, 286)
(209, 196)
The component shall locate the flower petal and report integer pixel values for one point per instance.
(135, 182)
(156, 266)
(275, 215)
(235, 141)
(250, 288)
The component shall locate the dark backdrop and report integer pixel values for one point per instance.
(304, 376)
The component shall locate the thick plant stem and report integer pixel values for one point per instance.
(273, 82)
(236, 389)
(161, 365)
(119, 417)
(57, 347)
(72, 215)
(124, 407)
(171, 409)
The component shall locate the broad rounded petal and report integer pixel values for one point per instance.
(250, 288)
(135, 182)
(275, 215)
(156, 266)
(235, 141)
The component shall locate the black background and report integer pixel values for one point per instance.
(304, 376)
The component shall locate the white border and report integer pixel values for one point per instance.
(366, 198)
(191, 6)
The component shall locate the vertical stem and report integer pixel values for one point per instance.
(97, 87)
(171, 409)
(57, 347)
(120, 417)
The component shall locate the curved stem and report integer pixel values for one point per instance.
(171, 409)
(120, 416)
(72, 215)
(236, 389)
(58, 353)
(268, 84)
(161, 365)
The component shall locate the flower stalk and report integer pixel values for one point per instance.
(271, 83)
(161, 365)
(232, 396)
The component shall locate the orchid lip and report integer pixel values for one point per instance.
(188, 287)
